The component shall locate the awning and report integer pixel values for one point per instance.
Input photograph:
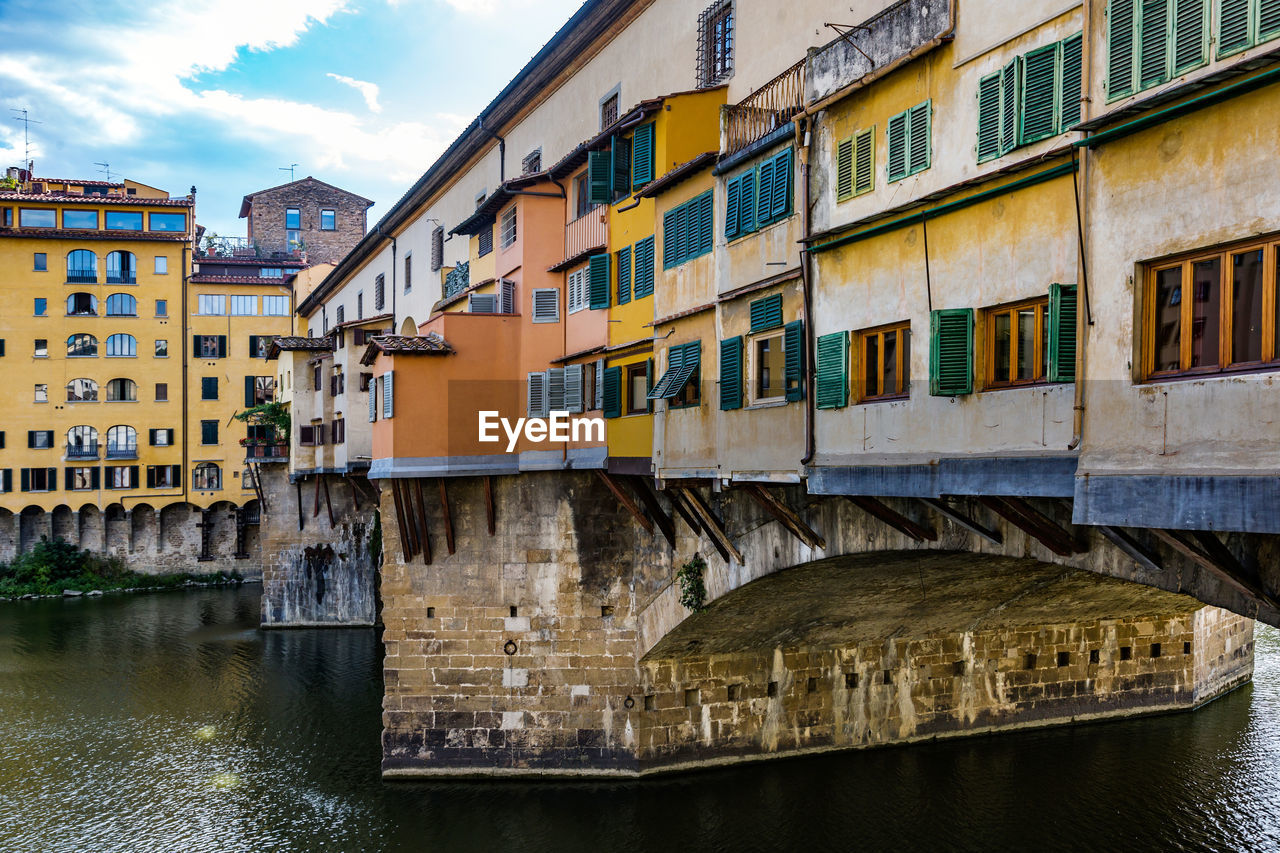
(682, 361)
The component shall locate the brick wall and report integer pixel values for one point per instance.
(267, 214)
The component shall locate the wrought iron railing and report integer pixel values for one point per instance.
(266, 452)
(764, 110)
(457, 279)
(81, 277)
(83, 451)
(122, 278)
(588, 231)
(122, 451)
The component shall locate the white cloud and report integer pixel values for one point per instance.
(367, 90)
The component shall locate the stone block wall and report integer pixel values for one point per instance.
(309, 196)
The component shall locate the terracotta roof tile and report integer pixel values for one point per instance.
(429, 344)
(132, 200)
(294, 343)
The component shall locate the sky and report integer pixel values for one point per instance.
(221, 94)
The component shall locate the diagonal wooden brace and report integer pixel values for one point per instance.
(786, 516)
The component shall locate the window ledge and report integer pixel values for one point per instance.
(768, 404)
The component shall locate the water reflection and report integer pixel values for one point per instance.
(168, 722)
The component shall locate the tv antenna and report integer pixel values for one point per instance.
(289, 169)
(106, 167)
(27, 121)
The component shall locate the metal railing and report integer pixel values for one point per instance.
(764, 110)
(81, 277)
(122, 451)
(242, 247)
(122, 278)
(588, 231)
(266, 452)
(83, 451)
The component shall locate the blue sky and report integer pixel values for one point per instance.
(221, 93)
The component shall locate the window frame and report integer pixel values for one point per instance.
(713, 69)
(333, 219)
(1041, 342)
(580, 288)
(296, 214)
(861, 339)
(507, 227)
(632, 406)
(754, 398)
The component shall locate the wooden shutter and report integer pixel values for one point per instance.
(684, 232)
(669, 239)
(536, 396)
(598, 285)
(597, 399)
(864, 161)
(151, 476)
(482, 303)
(546, 305)
(793, 360)
(766, 313)
(1268, 28)
(989, 117)
(844, 169)
(951, 352)
(642, 156)
(8, 480)
(897, 147)
(51, 478)
(248, 392)
(732, 202)
(1062, 333)
(702, 217)
(1233, 26)
(1070, 91)
(253, 346)
(832, 378)
(1120, 47)
(555, 390)
(747, 205)
(222, 346)
(31, 438)
(648, 384)
(764, 191)
(175, 476)
(1153, 42)
(507, 297)
(1010, 78)
(782, 175)
(598, 175)
(68, 478)
(644, 267)
(574, 375)
(731, 374)
(388, 394)
(1038, 107)
(624, 275)
(373, 402)
(1190, 37)
(621, 164)
(612, 392)
(307, 436)
(24, 479)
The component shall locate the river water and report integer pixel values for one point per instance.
(168, 722)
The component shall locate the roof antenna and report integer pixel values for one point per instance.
(27, 121)
(106, 167)
(289, 169)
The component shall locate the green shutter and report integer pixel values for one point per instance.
(844, 169)
(989, 117)
(683, 233)
(648, 384)
(669, 229)
(642, 156)
(624, 275)
(1070, 90)
(248, 392)
(620, 153)
(864, 161)
(766, 313)
(764, 192)
(1010, 78)
(1038, 106)
(598, 282)
(732, 202)
(1233, 26)
(747, 206)
(702, 218)
(731, 374)
(920, 150)
(793, 360)
(1121, 24)
(598, 176)
(644, 268)
(951, 352)
(1153, 42)
(896, 140)
(832, 378)
(1062, 333)
(612, 392)
(782, 180)
(1191, 34)
(1268, 28)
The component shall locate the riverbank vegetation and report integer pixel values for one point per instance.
(53, 567)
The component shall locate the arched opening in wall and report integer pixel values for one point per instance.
(409, 327)
(91, 532)
(177, 529)
(222, 536)
(65, 526)
(251, 520)
(33, 526)
(82, 267)
(82, 391)
(142, 528)
(116, 529)
(9, 535)
(122, 268)
(122, 391)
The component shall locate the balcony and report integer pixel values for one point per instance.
(122, 451)
(82, 277)
(83, 451)
(266, 453)
(589, 231)
(241, 247)
(764, 110)
(122, 278)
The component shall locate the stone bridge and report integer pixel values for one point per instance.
(533, 624)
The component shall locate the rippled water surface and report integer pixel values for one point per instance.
(168, 722)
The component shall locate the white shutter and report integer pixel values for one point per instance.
(537, 396)
(573, 388)
(388, 394)
(546, 305)
(597, 401)
(508, 297)
(373, 402)
(555, 389)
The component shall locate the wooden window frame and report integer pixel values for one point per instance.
(753, 358)
(903, 363)
(1041, 304)
(1270, 247)
(634, 406)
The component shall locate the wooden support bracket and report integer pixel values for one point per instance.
(256, 469)
(1221, 564)
(424, 535)
(1140, 554)
(315, 510)
(448, 519)
(651, 504)
(625, 500)
(298, 486)
(678, 503)
(786, 516)
(406, 538)
(713, 526)
(1032, 522)
(489, 509)
(948, 511)
(890, 516)
(328, 503)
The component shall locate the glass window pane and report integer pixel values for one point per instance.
(1206, 277)
(871, 365)
(168, 222)
(1246, 306)
(769, 367)
(33, 217)
(79, 219)
(891, 362)
(1026, 343)
(1167, 335)
(118, 220)
(1001, 354)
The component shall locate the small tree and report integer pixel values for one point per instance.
(274, 415)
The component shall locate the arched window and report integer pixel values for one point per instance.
(122, 442)
(122, 391)
(122, 346)
(82, 346)
(121, 305)
(81, 304)
(207, 475)
(82, 442)
(122, 268)
(82, 266)
(82, 391)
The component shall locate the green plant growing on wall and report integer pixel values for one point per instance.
(274, 415)
(693, 587)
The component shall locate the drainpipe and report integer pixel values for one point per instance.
(502, 151)
(1081, 180)
(186, 334)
